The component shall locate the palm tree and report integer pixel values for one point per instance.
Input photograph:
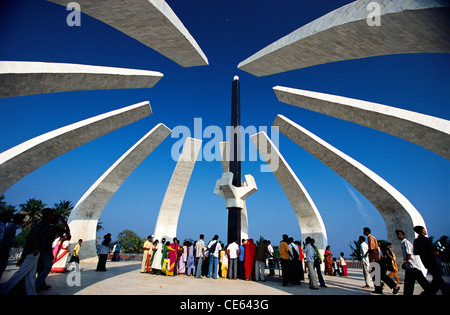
(5, 207)
(9, 208)
(2, 203)
(99, 225)
(355, 251)
(32, 208)
(63, 209)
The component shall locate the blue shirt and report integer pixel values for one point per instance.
(241, 252)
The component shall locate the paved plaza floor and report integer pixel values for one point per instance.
(125, 278)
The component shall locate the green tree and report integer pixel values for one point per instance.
(356, 247)
(63, 208)
(356, 250)
(8, 208)
(21, 238)
(5, 207)
(131, 242)
(2, 203)
(32, 208)
(99, 225)
(260, 241)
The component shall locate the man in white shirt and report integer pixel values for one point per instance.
(271, 261)
(412, 265)
(199, 256)
(310, 254)
(364, 252)
(233, 254)
(214, 248)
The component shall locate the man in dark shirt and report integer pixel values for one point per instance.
(430, 259)
(46, 254)
(260, 260)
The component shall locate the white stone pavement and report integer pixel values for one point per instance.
(124, 278)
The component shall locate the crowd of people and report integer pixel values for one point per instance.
(47, 249)
(38, 256)
(248, 261)
(245, 261)
(417, 256)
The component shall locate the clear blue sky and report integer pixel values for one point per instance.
(228, 32)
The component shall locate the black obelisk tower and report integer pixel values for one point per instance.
(234, 214)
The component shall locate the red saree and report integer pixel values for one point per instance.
(172, 255)
(249, 260)
(328, 262)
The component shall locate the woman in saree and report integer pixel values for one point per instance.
(249, 260)
(172, 255)
(60, 254)
(148, 262)
(157, 257)
(183, 259)
(328, 261)
(224, 263)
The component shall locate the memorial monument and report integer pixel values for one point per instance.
(230, 186)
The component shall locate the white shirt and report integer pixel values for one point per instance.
(104, 250)
(270, 249)
(310, 253)
(233, 249)
(407, 249)
(293, 247)
(364, 250)
(217, 249)
(198, 248)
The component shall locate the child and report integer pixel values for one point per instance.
(335, 267)
(343, 265)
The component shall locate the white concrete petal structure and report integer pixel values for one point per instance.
(84, 217)
(151, 22)
(406, 26)
(308, 216)
(234, 196)
(396, 210)
(19, 78)
(224, 148)
(28, 156)
(167, 221)
(427, 131)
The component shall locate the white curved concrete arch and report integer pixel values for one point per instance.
(19, 78)
(28, 156)
(396, 210)
(407, 26)
(167, 222)
(427, 131)
(84, 217)
(152, 22)
(308, 216)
